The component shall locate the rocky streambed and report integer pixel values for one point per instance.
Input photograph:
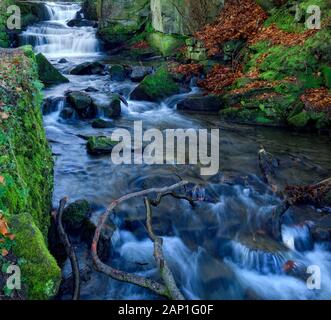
(217, 249)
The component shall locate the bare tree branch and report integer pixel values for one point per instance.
(119, 275)
(163, 267)
(69, 249)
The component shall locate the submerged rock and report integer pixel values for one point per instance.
(89, 68)
(51, 105)
(48, 74)
(101, 124)
(91, 89)
(82, 23)
(63, 60)
(100, 145)
(156, 87)
(204, 104)
(67, 113)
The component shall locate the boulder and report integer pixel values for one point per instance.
(117, 72)
(40, 269)
(47, 73)
(91, 89)
(82, 103)
(63, 60)
(101, 124)
(51, 105)
(156, 87)
(140, 72)
(75, 214)
(82, 23)
(88, 68)
(202, 104)
(100, 145)
(120, 20)
(67, 113)
(183, 17)
(113, 110)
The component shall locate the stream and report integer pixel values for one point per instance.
(215, 249)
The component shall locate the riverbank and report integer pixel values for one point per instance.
(218, 249)
(26, 174)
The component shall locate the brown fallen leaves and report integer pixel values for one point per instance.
(188, 70)
(219, 78)
(238, 20)
(317, 100)
(298, 194)
(279, 37)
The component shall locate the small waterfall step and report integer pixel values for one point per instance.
(55, 38)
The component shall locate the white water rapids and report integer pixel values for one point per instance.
(207, 247)
(55, 39)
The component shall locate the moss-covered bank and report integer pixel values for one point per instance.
(26, 168)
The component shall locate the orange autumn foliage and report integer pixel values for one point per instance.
(279, 37)
(219, 78)
(238, 20)
(317, 100)
(188, 70)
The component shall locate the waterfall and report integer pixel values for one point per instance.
(55, 39)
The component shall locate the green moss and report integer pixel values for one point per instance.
(40, 272)
(27, 166)
(75, 214)
(4, 39)
(300, 120)
(156, 86)
(165, 43)
(327, 76)
(100, 145)
(48, 74)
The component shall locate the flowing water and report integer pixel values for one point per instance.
(217, 249)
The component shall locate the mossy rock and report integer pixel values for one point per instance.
(40, 271)
(113, 110)
(165, 43)
(117, 72)
(100, 145)
(82, 103)
(300, 120)
(75, 214)
(327, 76)
(48, 74)
(101, 124)
(156, 87)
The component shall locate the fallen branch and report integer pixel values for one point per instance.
(69, 249)
(123, 276)
(162, 265)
